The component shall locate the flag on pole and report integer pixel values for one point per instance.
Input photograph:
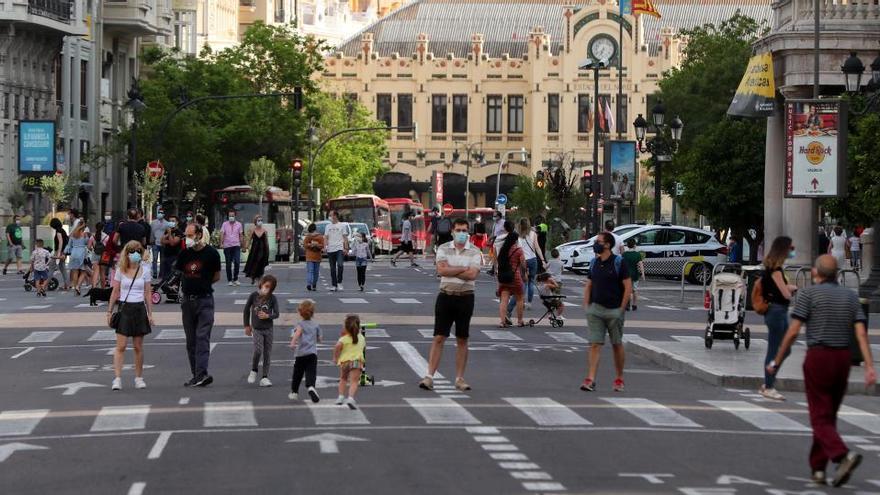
(601, 116)
(609, 115)
(626, 7)
(645, 7)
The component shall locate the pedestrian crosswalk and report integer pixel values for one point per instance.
(514, 412)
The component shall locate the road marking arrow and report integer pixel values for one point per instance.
(10, 448)
(73, 388)
(328, 442)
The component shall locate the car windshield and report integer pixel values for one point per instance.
(360, 228)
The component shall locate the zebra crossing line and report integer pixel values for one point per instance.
(547, 412)
(333, 415)
(171, 334)
(20, 422)
(501, 335)
(566, 337)
(760, 417)
(442, 411)
(40, 337)
(102, 335)
(121, 418)
(229, 414)
(651, 412)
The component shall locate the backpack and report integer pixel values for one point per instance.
(444, 226)
(618, 260)
(98, 247)
(759, 303)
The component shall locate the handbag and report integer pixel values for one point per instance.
(115, 316)
(759, 303)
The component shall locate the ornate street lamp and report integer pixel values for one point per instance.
(659, 146)
(852, 73)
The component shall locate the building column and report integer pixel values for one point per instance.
(774, 178)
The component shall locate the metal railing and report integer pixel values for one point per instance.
(59, 10)
(804, 271)
(692, 289)
(841, 278)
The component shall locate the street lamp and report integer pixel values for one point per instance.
(659, 146)
(501, 164)
(595, 65)
(852, 70)
(470, 154)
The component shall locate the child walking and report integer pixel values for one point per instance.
(40, 260)
(259, 311)
(349, 356)
(306, 336)
(548, 286)
(361, 256)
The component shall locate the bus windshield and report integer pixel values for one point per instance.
(355, 210)
(397, 218)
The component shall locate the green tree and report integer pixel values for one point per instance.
(148, 187)
(861, 205)
(528, 199)
(713, 145)
(55, 188)
(261, 176)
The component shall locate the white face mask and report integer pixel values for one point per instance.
(190, 242)
(264, 291)
(107, 217)
(259, 223)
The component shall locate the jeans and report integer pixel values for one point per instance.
(198, 320)
(337, 260)
(312, 270)
(776, 320)
(157, 250)
(528, 285)
(233, 257)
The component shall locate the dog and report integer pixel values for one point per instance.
(96, 294)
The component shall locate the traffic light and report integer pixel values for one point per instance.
(540, 183)
(587, 183)
(296, 168)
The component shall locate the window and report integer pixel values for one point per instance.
(584, 122)
(515, 116)
(697, 238)
(647, 238)
(404, 109)
(459, 113)
(83, 89)
(675, 237)
(553, 112)
(383, 108)
(438, 113)
(493, 113)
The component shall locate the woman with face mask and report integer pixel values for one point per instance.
(132, 287)
(257, 247)
(778, 293)
(838, 245)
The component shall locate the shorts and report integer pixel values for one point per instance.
(601, 321)
(406, 247)
(347, 366)
(15, 251)
(449, 310)
(41, 275)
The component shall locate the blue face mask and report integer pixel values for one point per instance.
(792, 254)
(461, 237)
(134, 257)
(160, 216)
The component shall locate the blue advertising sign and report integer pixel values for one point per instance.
(36, 147)
(621, 171)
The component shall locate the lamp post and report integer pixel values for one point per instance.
(470, 154)
(501, 164)
(136, 104)
(595, 66)
(852, 70)
(659, 146)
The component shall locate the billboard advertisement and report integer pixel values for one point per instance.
(620, 178)
(756, 94)
(36, 147)
(815, 148)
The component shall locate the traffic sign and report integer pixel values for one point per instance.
(447, 209)
(502, 199)
(679, 189)
(155, 169)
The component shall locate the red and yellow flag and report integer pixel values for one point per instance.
(644, 7)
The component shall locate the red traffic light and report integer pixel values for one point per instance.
(296, 164)
(587, 175)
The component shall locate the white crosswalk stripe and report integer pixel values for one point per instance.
(566, 337)
(119, 418)
(171, 334)
(20, 422)
(41, 337)
(651, 412)
(240, 302)
(862, 419)
(688, 339)
(442, 411)
(413, 359)
(501, 335)
(405, 300)
(234, 333)
(331, 414)
(38, 306)
(760, 417)
(377, 333)
(427, 333)
(547, 412)
(103, 335)
(352, 300)
(229, 414)
(294, 301)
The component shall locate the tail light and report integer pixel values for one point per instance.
(707, 301)
(722, 250)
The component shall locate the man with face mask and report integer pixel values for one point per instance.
(458, 264)
(172, 244)
(231, 239)
(157, 230)
(14, 243)
(200, 266)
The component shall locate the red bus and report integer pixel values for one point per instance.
(398, 207)
(368, 209)
(276, 210)
(485, 225)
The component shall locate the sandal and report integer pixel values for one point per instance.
(504, 325)
(521, 324)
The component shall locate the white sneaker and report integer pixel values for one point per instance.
(230, 283)
(560, 317)
(340, 400)
(236, 283)
(529, 306)
(771, 393)
(265, 382)
(334, 289)
(351, 403)
(252, 377)
(339, 287)
(117, 384)
(293, 396)
(139, 382)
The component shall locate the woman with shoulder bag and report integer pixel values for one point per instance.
(528, 242)
(511, 264)
(134, 315)
(778, 294)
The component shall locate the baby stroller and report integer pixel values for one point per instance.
(169, 286)
(727, 309)
(551, 303)
(29, 284)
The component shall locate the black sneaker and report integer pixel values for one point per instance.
(393, 262)
(203, 381)
(847, 465)
(313, 394)
(190, 382)
(308, 287)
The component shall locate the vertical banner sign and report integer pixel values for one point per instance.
(437, 184)
(756, 94)
(620, 178)
(815, 148)
(36, 147)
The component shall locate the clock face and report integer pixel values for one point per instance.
(602, 48)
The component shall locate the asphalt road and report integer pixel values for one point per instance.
(524, 428)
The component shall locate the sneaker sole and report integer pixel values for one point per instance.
(314, 397)
(352, 406)
(845, 477)
(425, 387)
(588, 389)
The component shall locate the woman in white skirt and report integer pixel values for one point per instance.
(131, 289)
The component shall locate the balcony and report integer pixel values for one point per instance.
(58, 10)
(131, 18)
(59, 16)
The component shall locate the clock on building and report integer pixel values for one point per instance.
(603, 47)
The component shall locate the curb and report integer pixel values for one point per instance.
(643, 348)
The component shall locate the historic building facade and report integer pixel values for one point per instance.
(505, 76)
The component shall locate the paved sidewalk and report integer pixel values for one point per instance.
(725, 366)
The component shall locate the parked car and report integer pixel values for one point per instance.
(668, 250)
(566, 250)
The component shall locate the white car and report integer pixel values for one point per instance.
(585, 245)
(668, 250)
